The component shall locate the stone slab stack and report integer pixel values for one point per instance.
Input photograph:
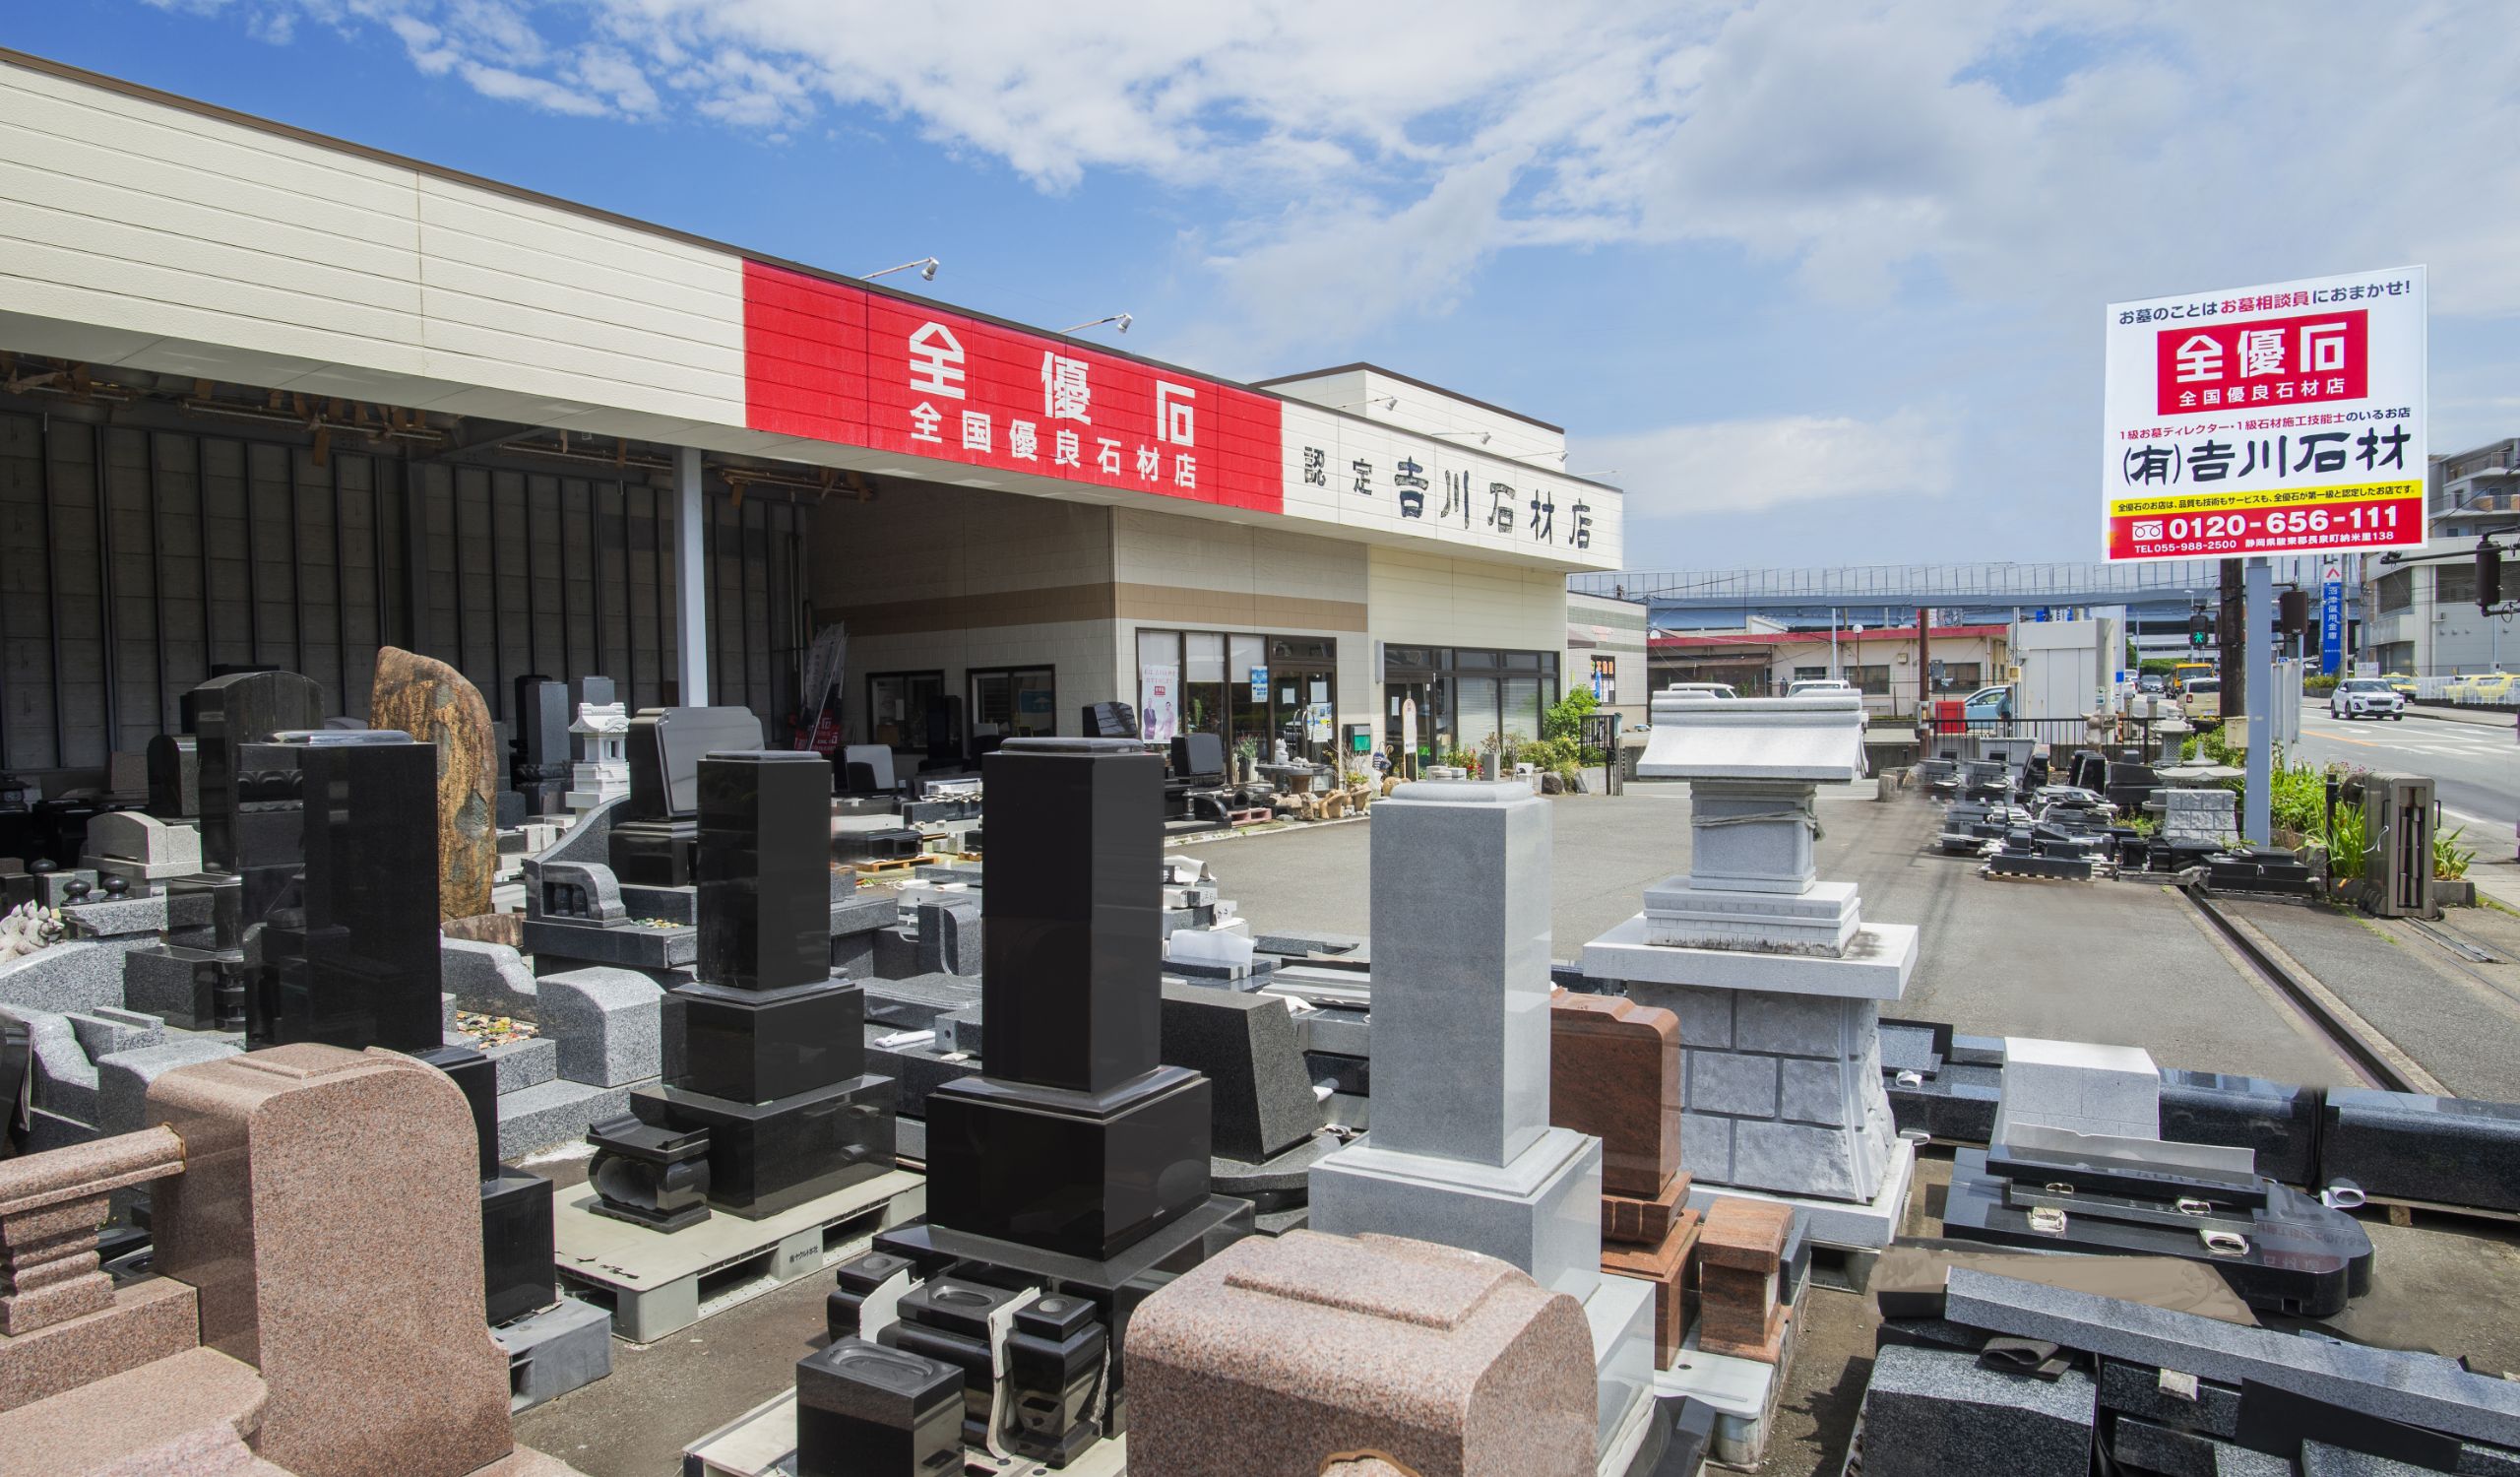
(1741, 1257)
(1615, 1073)
(1462, 1150)
(1775, 975)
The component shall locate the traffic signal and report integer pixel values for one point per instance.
(2489, 577)
(2200, 629)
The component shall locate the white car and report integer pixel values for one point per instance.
(1820, 687)
(2366, 697)
(1715, 690)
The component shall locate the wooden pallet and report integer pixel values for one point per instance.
(890, 865)
(654, 1283)
(2401, 1212)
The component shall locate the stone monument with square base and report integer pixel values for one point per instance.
(1462, 1150)
(1776, 977)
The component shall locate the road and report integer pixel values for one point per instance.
(2475, 764)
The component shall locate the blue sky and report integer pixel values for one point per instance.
(1819, 282)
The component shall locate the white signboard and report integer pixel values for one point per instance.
(2284, 418)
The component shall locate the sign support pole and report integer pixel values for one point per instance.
(2258, 612)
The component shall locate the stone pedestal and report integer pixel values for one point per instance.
(766, 1053)
(1775, 976)
(1277, 1356)
(1079, 1160)
(1615, 1073)
(1462, 1149)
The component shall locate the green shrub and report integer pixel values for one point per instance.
(2449, 859)
(2347, 842)
(2320, 685)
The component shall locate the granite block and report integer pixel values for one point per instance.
(2319, 1460)
(607, 1023)
(2418, 1389)
(148, 1320)
(557, 946)
(564, 1347)
(123, 1078)
(2452, 1151)
(65, 1075)
(551, 1114)
(1799, 1025)
(2486, 1461)
(1795, 1159)
(1734, 1085)
(1930, 1413)
(2171, 1453)
(1451, 1362)
(2080, 1086)
(1706, 1147)
(520, 1064)
(1706, 1015)
(1461, 930)
(74, 974)
(1541, 1213)
(112, 918)
(1263, 1102)
(2136, 1389)
(1745, 1235)
(2277, 1121)
(1811, 1092)
(490, 977)
(106, 1030)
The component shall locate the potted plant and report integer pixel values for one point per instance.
(2450, 885)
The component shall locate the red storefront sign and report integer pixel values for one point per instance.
(834, 363)
(2206, 364)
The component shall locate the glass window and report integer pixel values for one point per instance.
(1810, 673)
(1018, 702)
(897, 704)
(1872, 679)
(1476, 703)
(1203, 657)
(1522, 697)
(1961, 677)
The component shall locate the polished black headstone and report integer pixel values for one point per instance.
(1074, 917)
(1083, 1174)
(664, 746)
(516, 1245)
(768, 1156)
(764, 869)
(2407, 1147)
(359, 965)
(174, 776)
(229, 712)
(541, 723)
(753, 1045)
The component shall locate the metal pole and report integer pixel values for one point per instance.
(2258, 608)
(691, 578)
(1924, 658)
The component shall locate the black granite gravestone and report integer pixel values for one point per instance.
(1079, 1159)
(174, 777)
(766, 1050)
(351, 958)
(655, 833)
(539, 761)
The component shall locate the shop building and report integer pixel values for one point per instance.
(275, 397)
(2425, 619)
(1881, 661)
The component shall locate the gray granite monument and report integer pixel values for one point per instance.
(1461, 1151)
(1776, 977)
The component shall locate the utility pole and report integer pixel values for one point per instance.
(2258, 612)
(2230, 630)
(1924, 660)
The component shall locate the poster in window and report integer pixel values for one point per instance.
(1159, 702)
(1259, 685)
(1316, 723)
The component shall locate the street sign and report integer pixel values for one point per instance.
(2284, 418)
(2332, 621)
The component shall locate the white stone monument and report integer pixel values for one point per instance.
(1776, 977)
(1461, 1151)
(600, 773)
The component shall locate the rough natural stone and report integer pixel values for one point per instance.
(434, 704)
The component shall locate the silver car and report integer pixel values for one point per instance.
(2366, 697)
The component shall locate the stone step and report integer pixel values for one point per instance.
(550, 1113)
(199, 1399)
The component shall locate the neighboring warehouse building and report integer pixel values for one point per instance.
(1605, 652)
(268, 397)
(2423, 619)
(1764, 659)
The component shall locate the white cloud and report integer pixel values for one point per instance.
(1728, 467)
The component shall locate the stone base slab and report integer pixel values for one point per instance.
(153, 1318)
(1876, 967)
(1540, 1212)
(1743, 1393)
(1822, 921)
(1620, 1312)
(1837, 1223)
(1664, 1266)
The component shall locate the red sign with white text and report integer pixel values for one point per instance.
(834, 363)
(2212, 363)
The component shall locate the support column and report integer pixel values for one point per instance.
(2258, 610)
(690, 579)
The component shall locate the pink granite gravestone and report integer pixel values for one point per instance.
(330, 1214)
(1312, 1353)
